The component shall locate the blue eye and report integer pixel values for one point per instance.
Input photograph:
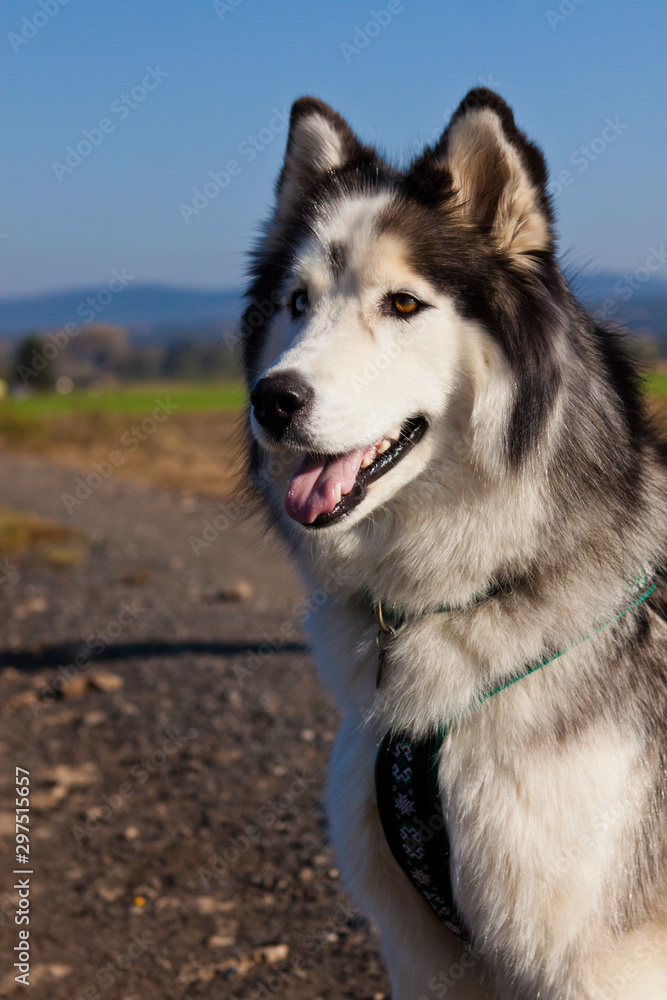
(299, 302)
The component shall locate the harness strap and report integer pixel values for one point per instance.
(406, 782)
(408, 794)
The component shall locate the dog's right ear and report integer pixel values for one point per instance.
(494, 174)
(319, 141)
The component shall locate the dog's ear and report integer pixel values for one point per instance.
(498, 177)
(319, 141)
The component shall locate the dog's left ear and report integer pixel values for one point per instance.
(498, 177)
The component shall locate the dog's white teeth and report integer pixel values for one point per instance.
(395, 434)
(339, 493)
(383, 446)
(367, 461)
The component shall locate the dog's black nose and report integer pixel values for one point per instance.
(277, 398)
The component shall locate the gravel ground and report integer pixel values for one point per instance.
(155, 684)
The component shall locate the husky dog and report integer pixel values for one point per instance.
(439, 429)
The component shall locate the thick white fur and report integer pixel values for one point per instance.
(536, 826)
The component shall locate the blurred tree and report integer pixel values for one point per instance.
(97, 350)
(142, 365)
(190, 358)
(34, 364)
(647, 351)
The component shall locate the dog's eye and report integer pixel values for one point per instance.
(299, 302)
(404, 305)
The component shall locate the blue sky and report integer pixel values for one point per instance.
(187, 88)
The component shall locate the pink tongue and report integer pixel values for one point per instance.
(312, 488)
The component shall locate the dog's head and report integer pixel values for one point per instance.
(396, 315)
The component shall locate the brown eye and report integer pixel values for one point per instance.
(404, 304)
(299, 302)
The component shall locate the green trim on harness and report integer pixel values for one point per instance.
(543, 663)
(408, 796)
(396, 616)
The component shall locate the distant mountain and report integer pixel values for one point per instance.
(136, 307)
(620, 285)
(159, 314)
(637, 300)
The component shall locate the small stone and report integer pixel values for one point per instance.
(240, 590)
(103, 680)
(209, 904)
(235, 969)
(235, 699)
(51, 970)
(92, 719)
(57, 970)
(169, 903)
(21, 700)
(272, 953)
(131, 833)
(110, 893)
(79, 774)
(308, 735)
(306, 874)
(271, 703)
(75, 688)
(194, 972)
(221, 941)
(36, 605)
(60, 716)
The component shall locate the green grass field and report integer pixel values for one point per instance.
(187, 397)
(195, 450)
(656, 385)
(139, 398)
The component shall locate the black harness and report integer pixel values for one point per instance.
(406, 783)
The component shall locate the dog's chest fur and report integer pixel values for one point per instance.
(535, 830)
(542, 823)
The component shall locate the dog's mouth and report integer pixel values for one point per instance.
(326, 488)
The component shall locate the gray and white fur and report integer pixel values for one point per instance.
(539, 482)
